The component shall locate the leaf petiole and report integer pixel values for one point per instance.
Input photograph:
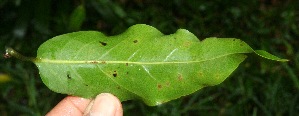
(12, 53)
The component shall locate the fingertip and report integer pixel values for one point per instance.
(69, 106)
(105, 104)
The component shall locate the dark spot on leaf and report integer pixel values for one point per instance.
(103, 43)
(68, 75)
(180, 77)
(118, 87)
(135, 41)
(127, 64)
(200, 74)
(234, 39)
(114, 74)
(86, 85)
(94, 62)
(127, 72)
(103, 62)
(159, 86)
(241, 44)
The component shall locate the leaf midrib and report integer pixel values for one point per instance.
(40, 60)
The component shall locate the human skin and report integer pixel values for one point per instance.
(104, 104)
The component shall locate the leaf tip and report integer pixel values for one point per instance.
(269, 56)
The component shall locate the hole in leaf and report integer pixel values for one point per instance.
(103, 43)
(114, 74)
(135, 41)
(68, 75)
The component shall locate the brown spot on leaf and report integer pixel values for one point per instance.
(135, 41)
(159, 86)
(94, 62)
(103, 43)
(118, 87)
(200, 74)
(187, 43)
(127, 64)
(180, 77)
(103, 62)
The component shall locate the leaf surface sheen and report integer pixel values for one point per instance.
(141, 63)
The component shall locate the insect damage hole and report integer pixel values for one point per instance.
(114, 74)
(68, 75)
(103, 43)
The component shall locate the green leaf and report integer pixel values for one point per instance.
(77, 17)
(141, 63)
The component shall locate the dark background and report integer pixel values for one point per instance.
(257, 87)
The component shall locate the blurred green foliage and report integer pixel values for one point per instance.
(257, 87)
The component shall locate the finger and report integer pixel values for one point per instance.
(70, 106)
(105, 104)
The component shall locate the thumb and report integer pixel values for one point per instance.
(105, 104)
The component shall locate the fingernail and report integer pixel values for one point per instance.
(103, 105)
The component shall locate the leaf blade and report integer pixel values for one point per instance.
(140, 63)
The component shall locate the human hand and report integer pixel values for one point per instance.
(104, 104)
